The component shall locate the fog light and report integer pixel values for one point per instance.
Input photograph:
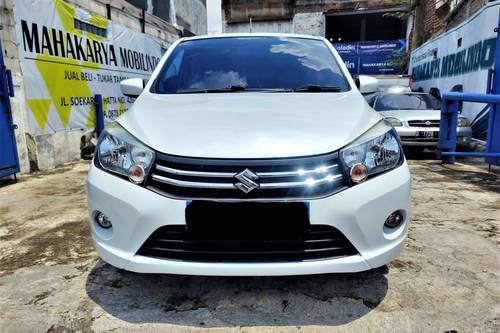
(394, 220)
(103, 221)
(136, 174)
(358, 173)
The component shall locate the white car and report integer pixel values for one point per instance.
(249, 154)
(416, 117)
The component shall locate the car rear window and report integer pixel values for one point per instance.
(251, 63)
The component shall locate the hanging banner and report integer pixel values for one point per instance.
(370, 58)
(349, 54)
(459, 59)
(68, 55)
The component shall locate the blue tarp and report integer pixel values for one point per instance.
(370, 57)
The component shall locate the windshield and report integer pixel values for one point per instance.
(250, 64)
(406, 102)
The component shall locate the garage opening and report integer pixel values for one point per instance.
(366, 26)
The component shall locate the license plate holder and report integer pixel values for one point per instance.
(427, 134)
(247, 220)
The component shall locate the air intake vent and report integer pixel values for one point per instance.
(241, 241)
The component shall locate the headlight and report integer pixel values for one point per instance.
(121, 153)
(463, 122)
(376, 151)
(395, 122)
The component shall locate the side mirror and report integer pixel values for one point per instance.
(132, 87)
(367, 84)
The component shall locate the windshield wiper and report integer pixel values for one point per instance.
(317, 88)
(237, 88)
(213, 90)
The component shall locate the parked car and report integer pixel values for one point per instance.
(416, 118)
(249, 154)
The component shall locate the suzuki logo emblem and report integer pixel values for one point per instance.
(246, 180)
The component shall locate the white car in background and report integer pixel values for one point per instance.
(416, 117)
(249, 154)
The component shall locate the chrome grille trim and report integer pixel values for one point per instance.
(195, 173)
(325, 180)
(226, 186)
(184, 183)
(294, 178)
(231, 174)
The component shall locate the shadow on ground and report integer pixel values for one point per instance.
(487, 181)
(478, 175)
(8, 180)
(412, 153)
(197, 301)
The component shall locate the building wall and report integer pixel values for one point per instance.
(192, 15)
(240, 11)
(342, 5)
(433, 17)
(309, 23)
(306, 16)
(18, 105)
(285, 26)
(189, 14)
(463, 11)
(47, 151)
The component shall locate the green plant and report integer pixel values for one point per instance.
(401, 14)
(400, 60)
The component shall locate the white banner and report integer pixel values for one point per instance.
(68, 55)
(461, 56)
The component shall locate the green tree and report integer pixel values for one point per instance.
(400, 60)
(400, 14)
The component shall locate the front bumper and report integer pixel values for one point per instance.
(358, 212)
(408, 136)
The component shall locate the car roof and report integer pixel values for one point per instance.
(252, 34)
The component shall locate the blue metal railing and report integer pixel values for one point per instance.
(448, 127)
(449, 116)
(99, 114)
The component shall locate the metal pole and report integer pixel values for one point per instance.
(493, 132)
(99, 113)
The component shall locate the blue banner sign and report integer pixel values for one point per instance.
(370, 57)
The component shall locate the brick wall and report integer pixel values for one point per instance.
(431, 22)
(463, 11)
(434, 18)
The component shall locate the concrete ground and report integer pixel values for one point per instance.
(446, 280)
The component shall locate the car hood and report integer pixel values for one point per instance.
(413, 114)
(247, 124)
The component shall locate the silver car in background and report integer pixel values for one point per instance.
(416, 117)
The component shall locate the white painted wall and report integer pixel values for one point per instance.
(194, 13)
(214, 17)
(309, 24)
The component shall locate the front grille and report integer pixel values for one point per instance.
(285, 178)
(423, 123)
(176, 242)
